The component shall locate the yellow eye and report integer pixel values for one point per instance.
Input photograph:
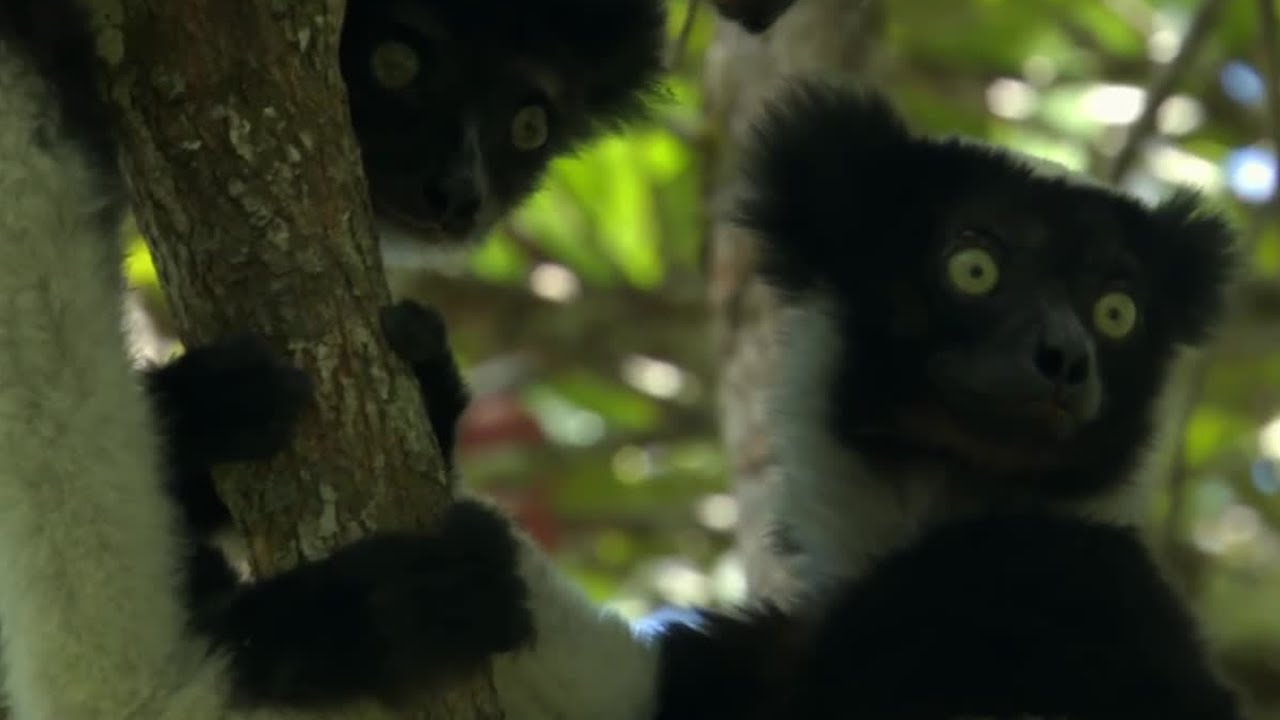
(1115, 315)
(973, 271)
(529, 130)
(395, 65)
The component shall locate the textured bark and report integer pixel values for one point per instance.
(834, 38)
(246, 180)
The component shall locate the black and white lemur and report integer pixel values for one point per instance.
(93, 593)
(976, 348)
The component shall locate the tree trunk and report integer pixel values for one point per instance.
(836, 38)
(245, 179)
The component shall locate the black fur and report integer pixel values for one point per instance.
(1005, 616)
(228, 402)
(232, 401)
(588, 65)
(741, 666)
(378, 618)
(853, 208)
(755, 16)
(1009, 615)
(417, 334)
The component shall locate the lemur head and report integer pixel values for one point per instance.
(459, 105)
(1013, 322)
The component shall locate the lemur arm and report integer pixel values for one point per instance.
(392, 613)
(417, 334)
(231, 401)
(234, 401)
(381, 617)
(581, 661)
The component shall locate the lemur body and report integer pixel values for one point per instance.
(65, 384)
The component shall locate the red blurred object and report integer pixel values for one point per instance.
(497, 419)
(533, 509)
(500, 421)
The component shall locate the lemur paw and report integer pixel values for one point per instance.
(231, 401)
(459, 592)
(416, 332)
(385, 617)
(418, 335)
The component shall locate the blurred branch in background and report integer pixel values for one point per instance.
(1166, 81)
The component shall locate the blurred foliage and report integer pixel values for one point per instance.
(582, 319)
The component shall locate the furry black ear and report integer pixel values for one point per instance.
(755, 16)
(611, 52)
(821, 155)
(1195, 253)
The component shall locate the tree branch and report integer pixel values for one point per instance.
(246, 180)
(1162, 86)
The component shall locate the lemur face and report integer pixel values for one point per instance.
(1018, 322)
(460, 105)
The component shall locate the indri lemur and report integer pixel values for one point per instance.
(459, 105)
(976, 347)
(91, 594)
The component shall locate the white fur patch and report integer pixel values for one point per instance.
(93, 626)
(587, 663)
(840, 513)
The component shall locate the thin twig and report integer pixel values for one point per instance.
(1163, 85)
(1267, 20)
(681, 43)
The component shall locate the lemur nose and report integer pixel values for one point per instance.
(1069, 366)
(1063, 353)
(455, 202)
